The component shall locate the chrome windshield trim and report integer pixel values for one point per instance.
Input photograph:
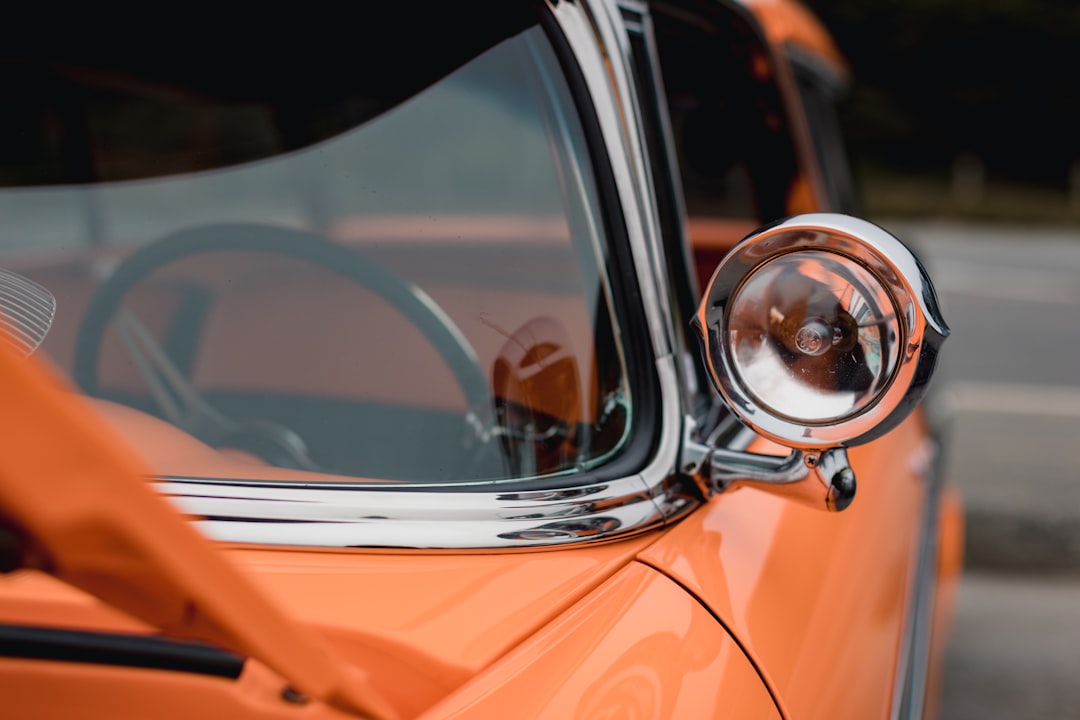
(404, 516)
(602, 50)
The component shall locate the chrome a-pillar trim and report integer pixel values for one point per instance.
(602, 51)
(595, 31)
(910, 685)
(495, 515)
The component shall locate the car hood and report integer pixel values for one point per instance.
(380, 634)
(418, 624)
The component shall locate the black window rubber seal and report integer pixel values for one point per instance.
(117, 649)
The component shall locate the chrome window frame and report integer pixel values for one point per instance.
(488, 515)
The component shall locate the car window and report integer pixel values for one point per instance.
(718, 144)
(819, 99)
(386, 276)
(734, 150)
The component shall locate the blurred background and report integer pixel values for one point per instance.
(964, 130)
(964, 108)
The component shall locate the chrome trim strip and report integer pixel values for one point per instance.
(909, 688)
(609, 81)
(674, 494)
(397, 516)
(835, 79)
(675, 253)
(602, 50)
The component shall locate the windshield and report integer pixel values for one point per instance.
(324, 273)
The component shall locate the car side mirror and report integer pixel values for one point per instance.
(820, 332)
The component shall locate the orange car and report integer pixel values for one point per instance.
(371, 377)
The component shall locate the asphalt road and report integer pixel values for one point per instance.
(1015, 650)
(1008, 398)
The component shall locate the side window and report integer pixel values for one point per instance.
(819, 98)
(668, 196)
(734, 152)
(718, 146)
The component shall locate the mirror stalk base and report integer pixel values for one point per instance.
(821, 479)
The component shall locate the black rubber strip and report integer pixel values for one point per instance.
(104, 648)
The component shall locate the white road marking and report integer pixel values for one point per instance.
(1011, 398)
(997, 282)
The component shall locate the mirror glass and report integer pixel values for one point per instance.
(813, 336)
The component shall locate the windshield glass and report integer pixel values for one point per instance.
(385, 275)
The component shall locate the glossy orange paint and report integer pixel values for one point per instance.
(415, 624)
(102, 692)
(419, 623)
(786, 581)
(790, 583)
(637, 647)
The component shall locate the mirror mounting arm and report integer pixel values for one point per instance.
(822, 479)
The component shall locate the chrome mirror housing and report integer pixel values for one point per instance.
(820, 332)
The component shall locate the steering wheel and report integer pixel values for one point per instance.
(179, 401)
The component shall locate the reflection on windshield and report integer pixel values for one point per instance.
(418, 298)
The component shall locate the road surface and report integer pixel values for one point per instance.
(1008, 395)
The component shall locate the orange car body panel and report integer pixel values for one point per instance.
(790, 583)
(787, 583)
(420, 624)
(415, 624)
(638, 643)
(637, 647)
(50, 689)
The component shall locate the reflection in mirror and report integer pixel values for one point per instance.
(814, 336)
(26, 312)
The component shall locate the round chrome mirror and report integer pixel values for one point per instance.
(821, 331)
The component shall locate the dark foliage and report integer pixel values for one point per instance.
(939, 78)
